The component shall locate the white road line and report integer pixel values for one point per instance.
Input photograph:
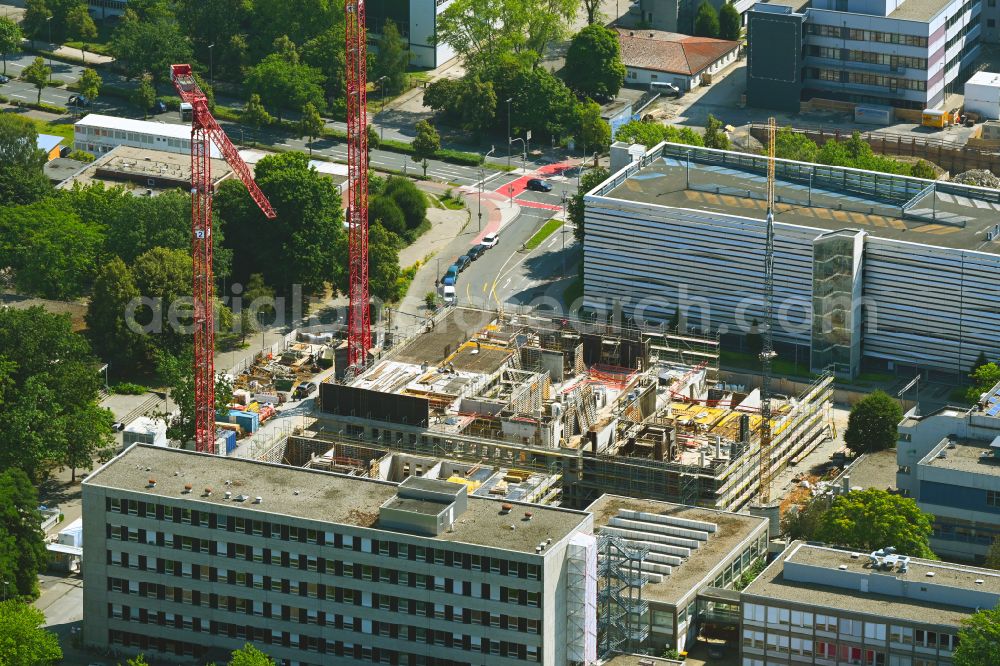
(506, 283)
(19, 96)
(554, 241)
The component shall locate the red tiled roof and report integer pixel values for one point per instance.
(671, 52)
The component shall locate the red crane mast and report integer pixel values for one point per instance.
(205, 130)
(359, 337)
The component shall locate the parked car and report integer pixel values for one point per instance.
(463, 262)
(489, 240)
(117, 426)
(450, 276)
(539, 185)
(159, 107)
(305, 390)
(665, 88)
(78, 100)
(449, 294)
(4, 79)
(475, 252)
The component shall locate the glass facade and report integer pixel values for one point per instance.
(836, 316)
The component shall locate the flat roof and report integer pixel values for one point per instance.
(772, 584)
(445, 337)
(919, 10)
(732, 530)
(962, 220)
(796, 5)
(875, 470)
(317, 495)
(963, 455)
(128, 164)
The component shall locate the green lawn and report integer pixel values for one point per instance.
(747, 361)
(547, 230)
(63, 129)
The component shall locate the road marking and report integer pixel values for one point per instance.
(18, 96)
(554, 241)
(484, 287)
(506, 283)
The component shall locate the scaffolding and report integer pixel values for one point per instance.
(621, 626)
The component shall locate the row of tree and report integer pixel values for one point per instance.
(855, 153)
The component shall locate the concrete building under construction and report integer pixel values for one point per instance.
(604, 408)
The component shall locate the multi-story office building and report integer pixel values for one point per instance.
(909, 54)
(416, 21)
(819, 605)
(191, 555)
(948, 462)
(871, 269)
(694, 558)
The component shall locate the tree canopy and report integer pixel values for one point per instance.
(706, 20)
(249, 655)
(10, 39)
(872, 424)
(979, 639)
(21, 177)
(593, 63)
(22, 545)
(872, 519)
(284, 83)
(38, 75)
(391, 59)
(984, 377)
(23, 640)
(149, 44)
(730, 23)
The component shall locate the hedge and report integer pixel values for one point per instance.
(48, 108)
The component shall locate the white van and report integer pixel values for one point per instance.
(449, 294)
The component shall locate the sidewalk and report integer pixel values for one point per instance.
(69, 53)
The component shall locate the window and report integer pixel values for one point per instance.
(753, 613)
(993, 498)
(802, 646)
(874, 658)
(802, 619)
(850, 627)
(902, 635)
(777, 615)
(874, 631)
(777, 643)
(753, 639)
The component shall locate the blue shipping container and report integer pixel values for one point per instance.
(225, 441)
(247, 421)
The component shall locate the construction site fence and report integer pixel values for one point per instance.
(952, 156)
(786, 386)
(274, 349)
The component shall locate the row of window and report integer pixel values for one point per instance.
(894, 659)
(355, 651)
(965, 9)
(847, 628)
(966, 29)
(867, 79)
(843, 32)
(163, 566)
(276, 531)
(869, 57)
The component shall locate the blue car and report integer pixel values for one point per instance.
(450, 276)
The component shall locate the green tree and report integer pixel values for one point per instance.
(730, 24)
(55, 253)
(593, 63)
(383, 264)
(469, 102)
(36, 18)
(149, 43)
(81, 27)
(22, 543)
(112, 338)
(254, 113)
(383, 210)
(249, 655)
(282, 84)
(922, 169)
(392, 59)
(979, 639)
(21, 178)
(164, 276)
(38, 75)
(10, 39)
(575, 208)
(90, 84)
(137, 661)
(23, 640)
(325, 52)
(993, 555)
(300, 246)
(591, 128)
(426, 143)
(715, 134)
(411, 201)
(257, 305)
(980, 361)
(482, 30)
(311, 124)
(871, 519)
(593, 9)
(145, 94)
(872, 423)
(706, 20)
(791, 145)
(177, 373)
(984, 378)
(90, 437)
(804, 521)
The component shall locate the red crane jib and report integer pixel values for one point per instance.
(205, 130)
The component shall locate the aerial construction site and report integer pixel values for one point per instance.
(559, 411)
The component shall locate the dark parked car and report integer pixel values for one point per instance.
(159, 107)
(463, 262)
(4, 79)
(539, 185)
(450, 276)
(79, 100)
(475, 252)
(304, 390)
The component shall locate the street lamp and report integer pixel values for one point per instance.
(482, 179)
(509, 100)
(524, 155)
(565, 222)
(381, 108)
(48, 22)
(211, 64)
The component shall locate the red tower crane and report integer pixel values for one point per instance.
(204, 131)
(359, 337)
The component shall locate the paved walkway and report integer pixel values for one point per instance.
(69, 53)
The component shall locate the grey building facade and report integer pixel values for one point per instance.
(190, 556)
(681, 232)
(819, 605)
(908, 54)
(949, 462)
